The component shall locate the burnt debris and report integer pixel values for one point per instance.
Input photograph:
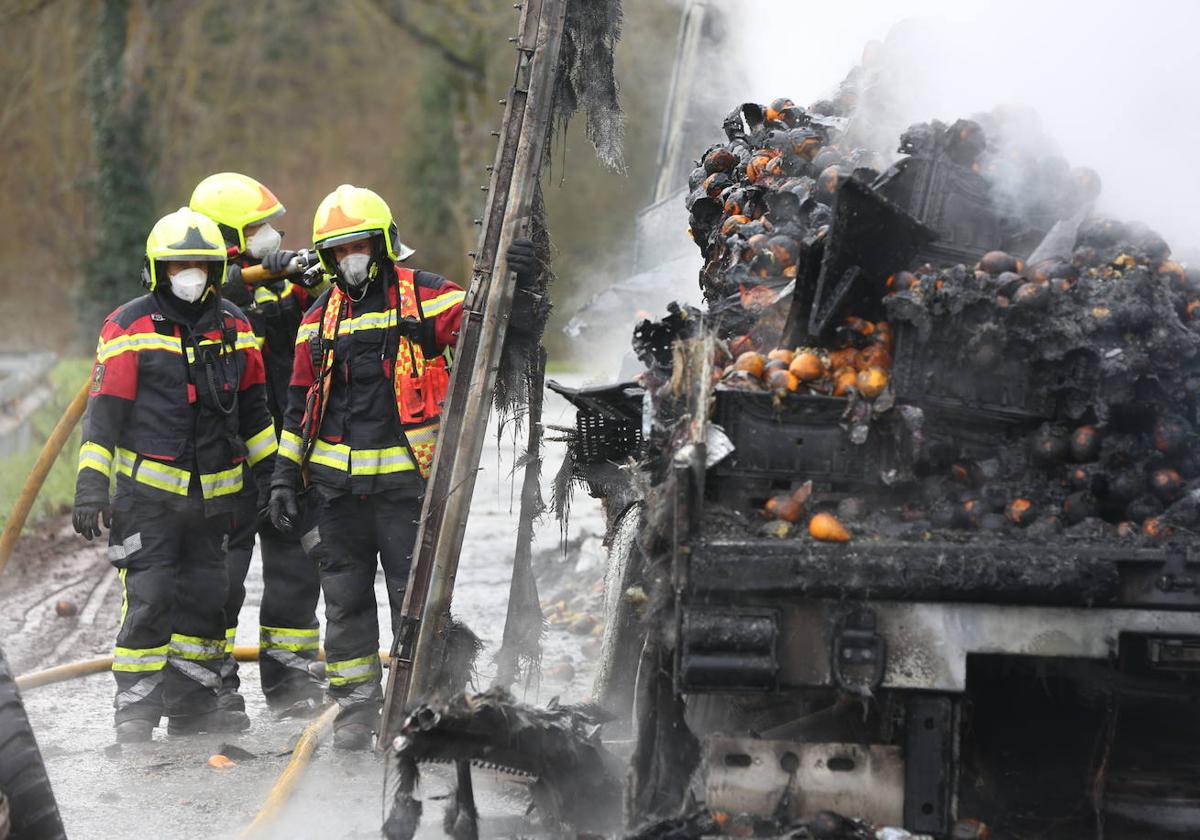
(574, 781)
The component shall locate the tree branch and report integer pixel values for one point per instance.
(398, 15)
(20, 8)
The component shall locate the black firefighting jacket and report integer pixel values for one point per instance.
(178, 409)
(275, 315)
(361, 446)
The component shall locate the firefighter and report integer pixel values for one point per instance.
(288, 633)
(178, 412)
(368, 382)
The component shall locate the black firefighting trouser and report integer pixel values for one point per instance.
(351, 532)
(168, 653)
(289, 635)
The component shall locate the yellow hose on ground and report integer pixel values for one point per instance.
(282, 790)
(72, 670)
(41, 468)
(284, 785)
(62, 673)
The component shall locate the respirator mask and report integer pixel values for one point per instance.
(355, 269)
(189, 284)
(263, 241)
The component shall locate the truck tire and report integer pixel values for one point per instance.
(32, 810)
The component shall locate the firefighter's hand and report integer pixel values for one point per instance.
(234, 289)
(523, 259)
(284, 510)
(276, 261)
(87, 519)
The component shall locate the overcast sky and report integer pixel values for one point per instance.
(1117, 84)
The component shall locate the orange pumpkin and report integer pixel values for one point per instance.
(752, 363)
(807, 366)
(871, 381)
(843, 381)
(826, 528)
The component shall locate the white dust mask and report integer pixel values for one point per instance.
(263, 241)
(354, 267)
(189, 284)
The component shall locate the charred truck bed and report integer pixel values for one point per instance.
(916, 496)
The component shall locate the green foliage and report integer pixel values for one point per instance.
(58, 493)
(116, 109)
(124, 205)
(433, 198)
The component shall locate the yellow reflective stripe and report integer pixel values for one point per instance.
(438, 305)
(124, 461)
(370, 321)
(290, 445)
(139, 659)
(289, 638)
(245, 341)
(353, 670)
(137, 343)
(230, 633)
(261, 445)
(335, 455)
(96, 457)
(196, 648)
(124, 597)
(220, 483)
(307, 331)
(381, 461)
(162, 477)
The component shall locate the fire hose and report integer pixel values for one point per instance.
(285, 784)
(305, 263)
(37, 476)
(305, 267)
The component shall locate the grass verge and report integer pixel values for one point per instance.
(58, 492)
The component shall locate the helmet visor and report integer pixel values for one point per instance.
(190, 258)
(346, 238)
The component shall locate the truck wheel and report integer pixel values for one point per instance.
(32, 811)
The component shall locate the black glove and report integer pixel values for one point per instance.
(87, 518)
(233, 289)
(284, 509)
(523, 259)
(276, 261)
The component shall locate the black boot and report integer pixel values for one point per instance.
(231, 701)
(352, 736)
(135, 731)
(216, 721)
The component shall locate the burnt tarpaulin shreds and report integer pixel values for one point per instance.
(576, 781)
(587, 78)
(521, 362)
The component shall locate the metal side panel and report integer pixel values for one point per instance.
(927, 644)
(746, 775)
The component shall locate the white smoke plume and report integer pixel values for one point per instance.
(1112, 82)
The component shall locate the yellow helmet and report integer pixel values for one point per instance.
(234, 201)
(184, 235)
(351, 213)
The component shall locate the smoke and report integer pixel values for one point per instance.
(1111, 82)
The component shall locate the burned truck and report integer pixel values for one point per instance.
(902, 524)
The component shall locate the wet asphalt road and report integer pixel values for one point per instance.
(165, 789)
